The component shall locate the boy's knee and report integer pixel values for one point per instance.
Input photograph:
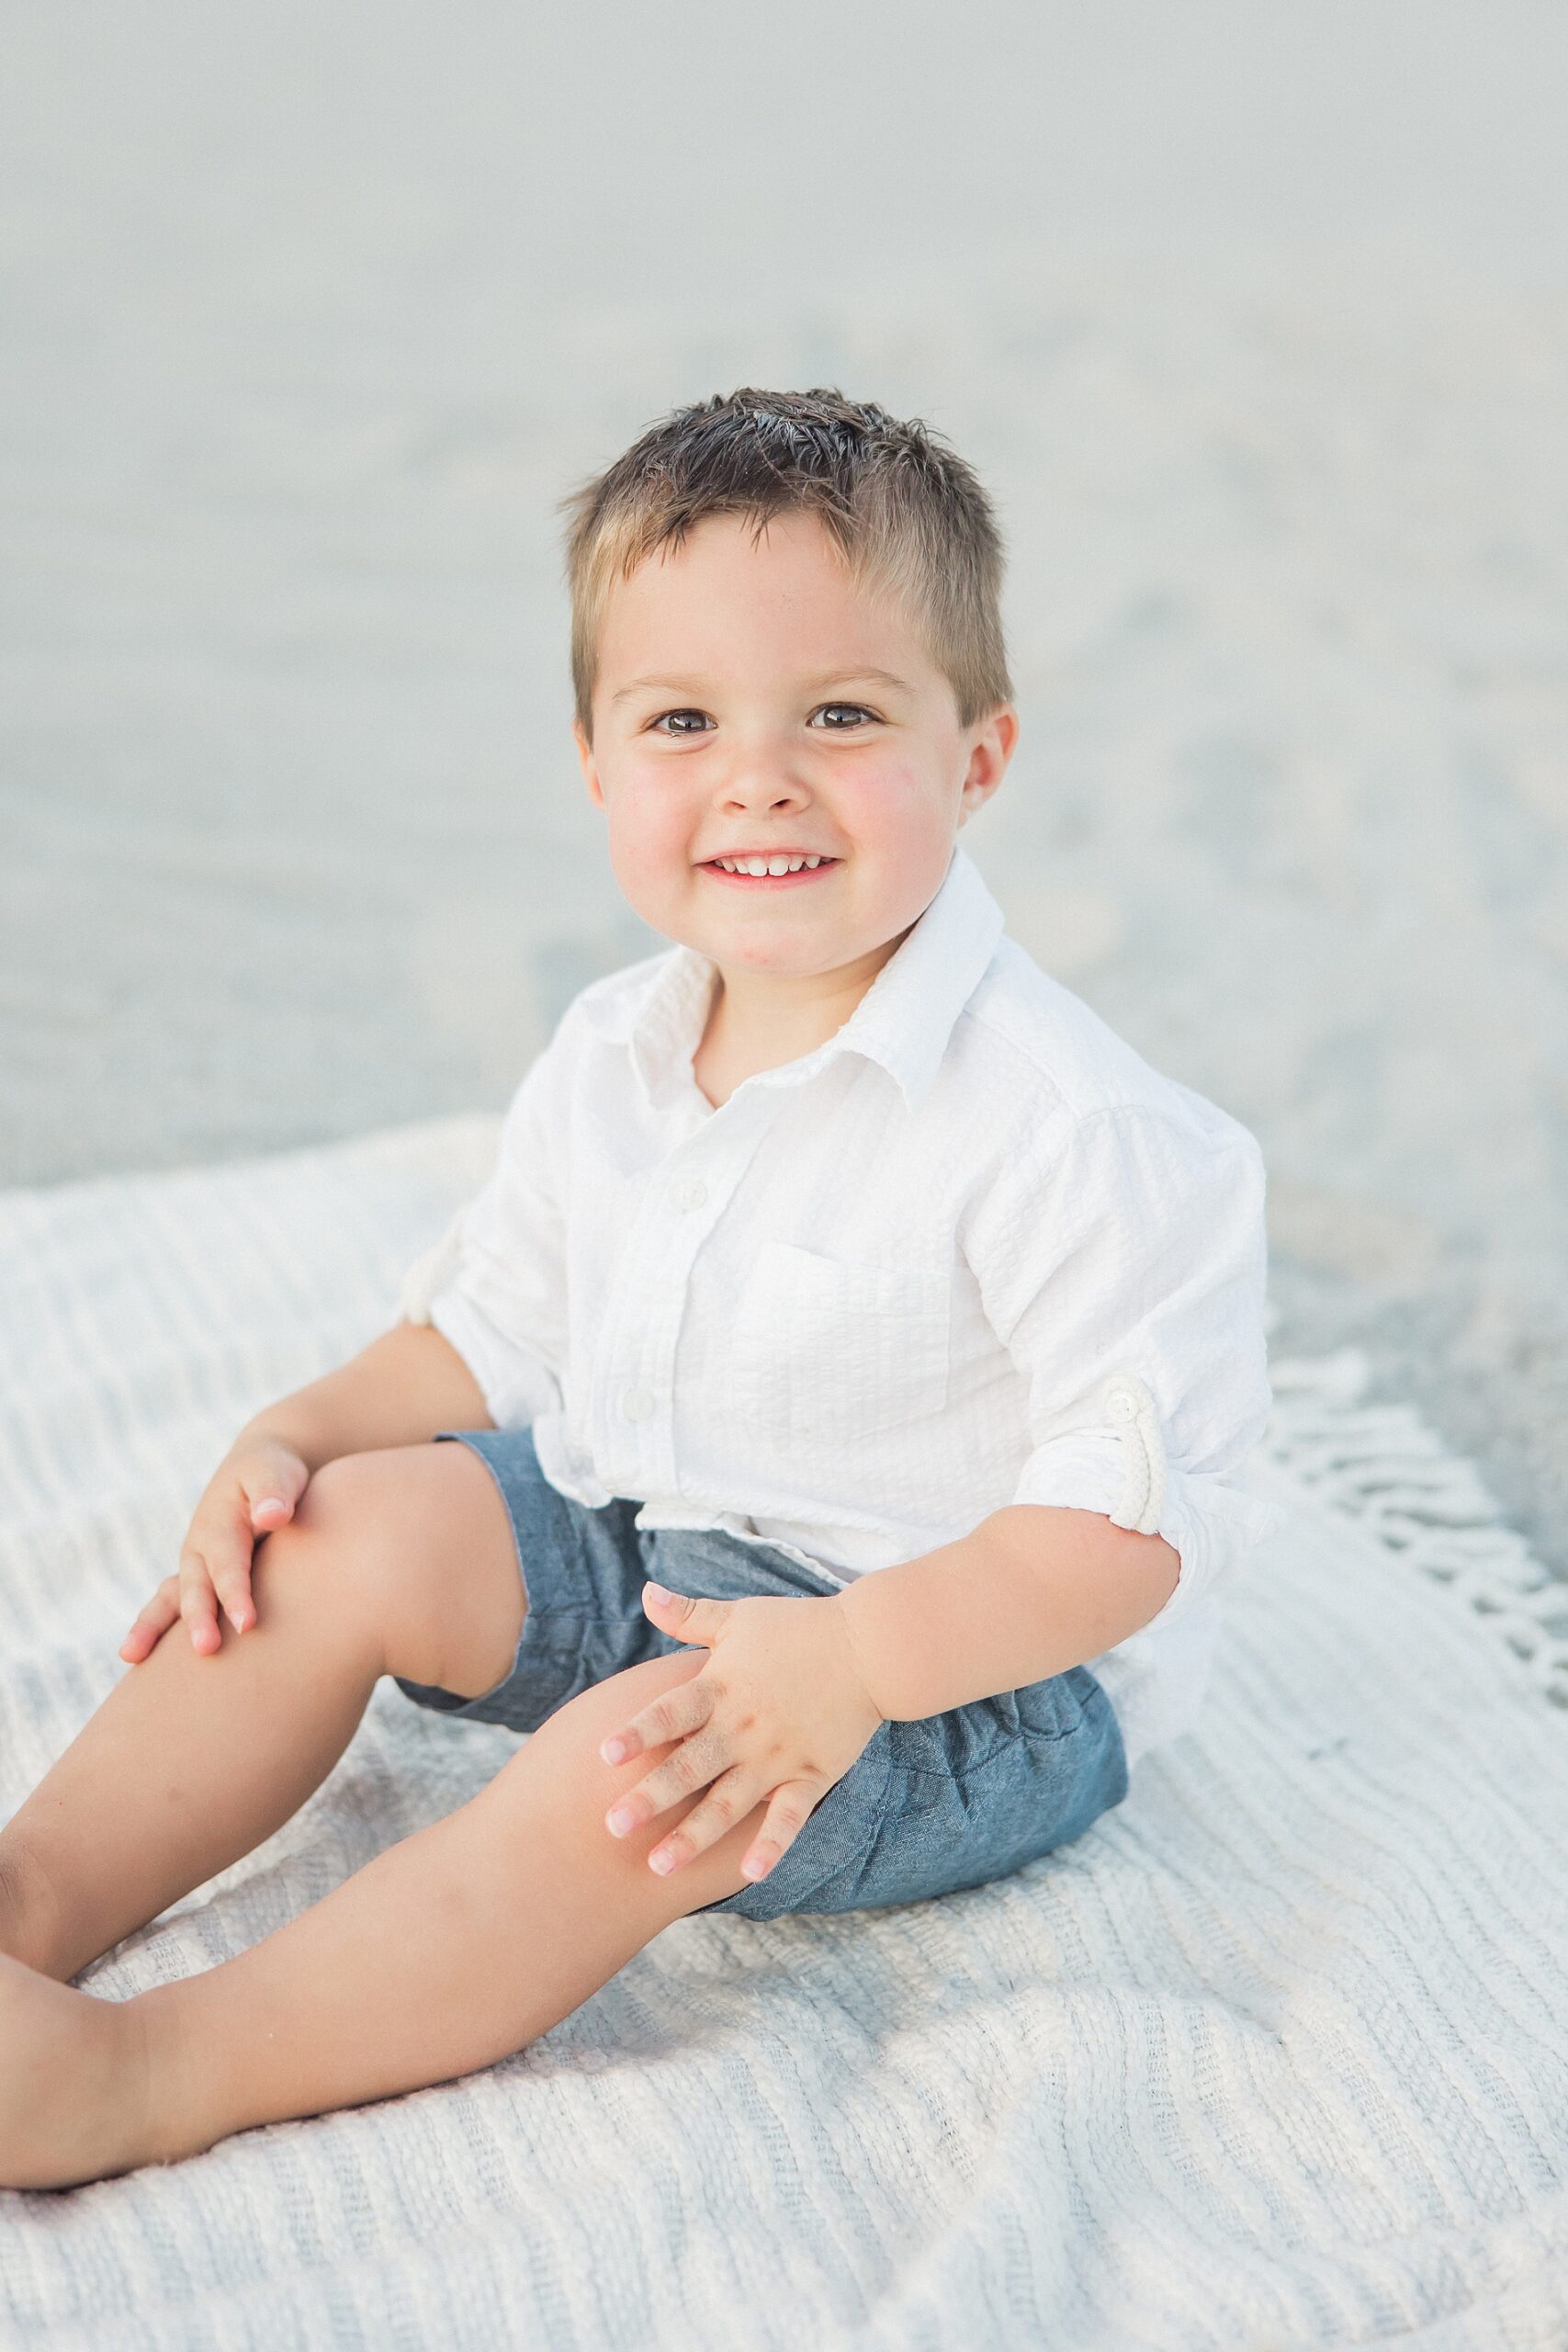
(415, 1541)
(323, 1554)
(332, 1518)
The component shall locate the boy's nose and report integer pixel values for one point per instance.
(764, 784)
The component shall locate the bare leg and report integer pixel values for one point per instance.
(449, 1950)
(400, 1561)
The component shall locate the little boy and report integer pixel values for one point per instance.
(826, 1431)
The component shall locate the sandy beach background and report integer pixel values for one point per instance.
(1256, 323)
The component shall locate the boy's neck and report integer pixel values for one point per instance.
(758, 1021)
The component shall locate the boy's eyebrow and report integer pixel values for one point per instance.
(828, 678)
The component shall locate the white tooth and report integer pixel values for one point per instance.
(776, 865)
(752, 865)
(814, 861)
(727, 863)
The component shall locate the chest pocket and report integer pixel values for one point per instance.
(827, 1347)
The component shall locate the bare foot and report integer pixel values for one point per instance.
(75, 2084)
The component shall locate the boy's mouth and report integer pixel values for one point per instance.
(800, 871)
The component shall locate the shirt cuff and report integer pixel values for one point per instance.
(518, 1385)
(1121, 1468)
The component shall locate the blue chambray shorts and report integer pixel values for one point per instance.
(950, 1801)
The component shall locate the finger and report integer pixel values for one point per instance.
(228, 1546)
(671, 1716)
(271, 1487)
(732, 1797)
(790, 1807)
(161, 1610)
(229, 1585)
(693, 1764)
(198, 1605)
(154, 1622)
(686, 1619)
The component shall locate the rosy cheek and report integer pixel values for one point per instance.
(652, 815)
(887, 785)
(897, 810)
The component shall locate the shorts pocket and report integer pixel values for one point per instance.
(1052, 1708)
(825, 1348)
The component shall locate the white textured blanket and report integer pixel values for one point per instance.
(1275, 2056)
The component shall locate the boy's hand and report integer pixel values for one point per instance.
(780, 1711)
(254, 1489)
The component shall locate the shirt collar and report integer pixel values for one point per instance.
(903, 1022)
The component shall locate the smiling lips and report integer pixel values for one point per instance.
(769, 874)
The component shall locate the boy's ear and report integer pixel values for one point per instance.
(587, 764)
(988, 757)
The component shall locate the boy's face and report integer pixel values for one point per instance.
(740, 709)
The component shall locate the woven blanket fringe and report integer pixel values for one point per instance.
(1385, 1467)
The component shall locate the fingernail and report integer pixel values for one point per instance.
(657, 1592)
(619, 1820)
(612, 1750)
(661, 1863)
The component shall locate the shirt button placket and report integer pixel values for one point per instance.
(643, 1320)
(686, 1194)
(639, 1403)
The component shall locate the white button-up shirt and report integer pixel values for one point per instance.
(972, 1250)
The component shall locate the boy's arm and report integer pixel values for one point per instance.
(399, 1390)
(482, 1324)
(1122, 1264)
(1034, 1590)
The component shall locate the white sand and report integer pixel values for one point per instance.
(1257, 326)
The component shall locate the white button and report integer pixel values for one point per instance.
(691, 1193)
(638, 1404)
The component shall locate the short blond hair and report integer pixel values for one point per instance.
(905, 512)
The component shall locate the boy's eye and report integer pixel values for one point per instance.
(856, 710)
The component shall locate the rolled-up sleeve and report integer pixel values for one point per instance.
(495, 1283)
(1123, 1266)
